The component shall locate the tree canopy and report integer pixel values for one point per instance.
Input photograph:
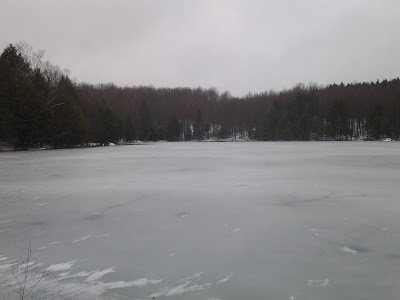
(40, 105)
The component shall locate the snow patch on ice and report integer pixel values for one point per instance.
(79, 274)
(318, 283)
(291, 298)
(81, 239)
(226, 279)
(184, 288)
(194, 276)
(139, 282)
(42, 248)
(40, 204)
(236, 230)
(103, 235)
(109, 186)
(6, 267)
(186, 285)
(318, 230)
(96, 275)
(35, 198)
(6, 221)
(348, 250)
(84, 290)
(53, 243)
(61, 266)
(3, 258)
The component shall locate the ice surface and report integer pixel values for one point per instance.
(303, 209)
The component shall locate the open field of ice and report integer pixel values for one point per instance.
(201, 221)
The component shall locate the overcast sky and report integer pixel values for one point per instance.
(236, 45)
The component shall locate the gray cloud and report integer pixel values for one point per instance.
(238, 45)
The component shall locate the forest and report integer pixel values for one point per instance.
(41, 106)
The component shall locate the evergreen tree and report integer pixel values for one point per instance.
(338, 121)
(70, 126)
(284, 130)
(375, 123)
(24, 118)
(129, 129)
(145, 128)
(317, 128)
(198, 127)
(173, 129)
(223, 133)
(188, 134)
(271, 121)
(207, 129)
(107, 127)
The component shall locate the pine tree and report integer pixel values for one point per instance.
(70, 126)
(24, 118)
(317, 128)
(338, 127)
(198, 127)
(107, 124)
(145, 128)
(188, 134)
(284, 129)
(375, 123)
(129, 129)
(173, 128)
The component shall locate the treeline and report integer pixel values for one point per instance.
(41, 106)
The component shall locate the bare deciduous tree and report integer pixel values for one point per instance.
(34, 58)
(51, 73)
(27, 277)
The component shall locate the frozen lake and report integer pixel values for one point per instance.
(200, 221)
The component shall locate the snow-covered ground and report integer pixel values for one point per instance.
(198, 221)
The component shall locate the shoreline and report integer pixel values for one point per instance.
(6, 148)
